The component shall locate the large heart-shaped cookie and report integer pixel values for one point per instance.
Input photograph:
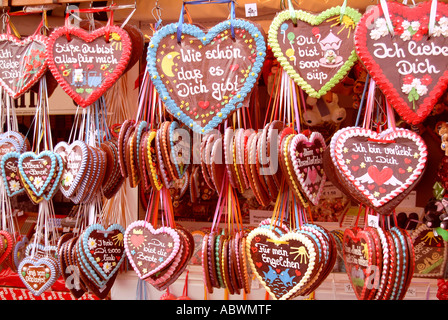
(411, 66)
(87, 64)
(22, 62)
(380, 167)
(283, 264)
(150, 250)
(317, 51)
(206, 76)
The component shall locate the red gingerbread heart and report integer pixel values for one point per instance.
(87, 64)
(22, 62)
(378, 181)
(411, 66)
(360, 262)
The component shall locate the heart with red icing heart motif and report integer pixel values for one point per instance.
(378, 181)
(283, 264)
(87, 64)
(22, 62)
(307, 155)
(150, 250)
(203, 77)
(409, 67)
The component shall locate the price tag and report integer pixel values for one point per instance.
(348, 288)
(251, 9)
(372, 221)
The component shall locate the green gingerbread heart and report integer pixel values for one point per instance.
(316, 51)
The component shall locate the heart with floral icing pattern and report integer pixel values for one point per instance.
(101, 250)
(22, 62)
(193, 75)
(10, 174)
(410, 67)
(40, 173)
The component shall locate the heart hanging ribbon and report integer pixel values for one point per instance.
(307, 156)
(411, 66)
(204, 77)
(316, 51)
(87, 64)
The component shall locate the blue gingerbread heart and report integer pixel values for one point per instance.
(204, 77)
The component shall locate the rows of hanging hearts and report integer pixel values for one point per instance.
(199, 83)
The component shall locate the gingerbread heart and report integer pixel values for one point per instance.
(359, 258)
(75, 157)
(284, 264)
(150, 250)
(307, 158)
(22, 62)
(380, 167)
(409, 67)
(430, 251)
(316, 51)
(102, 251)
(40, 172)
(38, 275)
(87, 64)
(204, 77)
(10, 174)
(19, 250)
(6, 244)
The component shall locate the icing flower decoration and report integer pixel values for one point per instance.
(14, 185)
(415, 87)
(380, 29)
(38, 182)
(107, 267)
(91, 243)
(67, 179)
